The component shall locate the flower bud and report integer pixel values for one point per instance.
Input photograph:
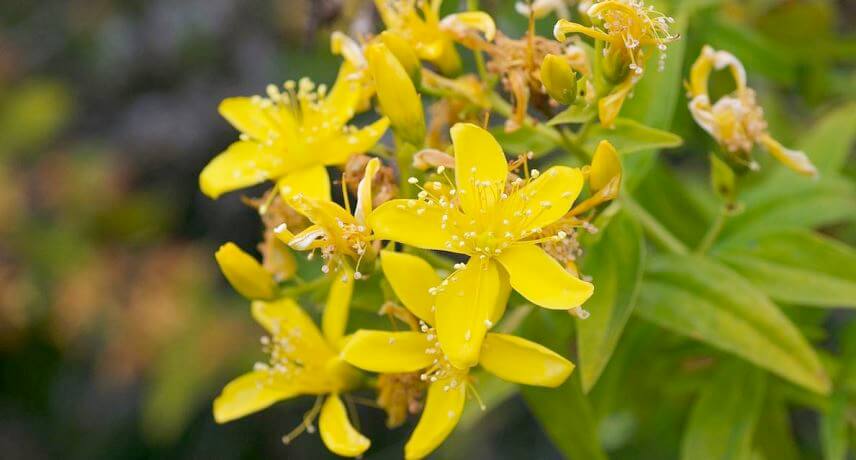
(559, 79)
(605, 167)
(404, 53)
(244, 273)
(396, 94)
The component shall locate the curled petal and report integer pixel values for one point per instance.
(364, 191)
(251, 393)
(443, 409)
(542, 280)
(458, 24)
(518, 360)
(794, 159)
(564, 27)
(387, 352)
(336, 430)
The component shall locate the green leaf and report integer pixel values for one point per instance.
(709, 302)
(564, 412)
(776, 439)
(615, 263)
(828, 141)
(574, 114)
(797, 267)
(629, 136)
(833, 427)
(723, 418)
(522, 140)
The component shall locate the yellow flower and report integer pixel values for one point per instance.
(418, 22)
(396, 94)
(244, 273)
(303, 361)
(334, 231)
(289, 137)
(508, 357)
(736, 120)
(495, 222)
(627, 29)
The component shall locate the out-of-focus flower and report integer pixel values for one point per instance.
(736, 121)
(492, 220)
(418, 22)
(508, 357)
(627, 30)
(290, 136)
(303, 361)
(541, 8)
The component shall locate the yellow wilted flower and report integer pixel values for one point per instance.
(289, 137)
(508, 357)
(418, 22)
(496, 222)
(541, 8)
(334, 231)
(398, 98)
(736, 120)
(303, 361)
(628, 29)
(244, 273)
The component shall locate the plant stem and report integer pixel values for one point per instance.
(653, 228)
(299, 289)
(712, 232)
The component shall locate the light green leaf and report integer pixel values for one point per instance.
(574, 114)
(797, 267)
(776, 438)
(828, 141)
(564, 412)
(724, 416)
(615, 263)
(522, 140)
(629, 136)
(709, 302)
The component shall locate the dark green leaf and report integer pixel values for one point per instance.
(630, 136)
(522, 140)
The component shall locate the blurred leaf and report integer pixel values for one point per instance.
(574, 114)
(723, 418)
(833, 427)
(704, 300)
(615, 263)
(630, 136)
(31, 114)
(797, 267)
(522, 140)
(776, 438)
(564, 413)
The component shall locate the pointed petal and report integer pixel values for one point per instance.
(464, 308)
(521, 361)
(283, 315)
(442, 411)
(542, 280)
(241, 165)
(336, 430)
(244, 273)
(312, 182)
(547, 198)
(341, 147)
(364, 191)
(796, 160)
(411, 278)
(610, 105)
(335, 318)
(413, 223)
(250, 393)
(565, 27)
(478, 160)
(388, 352)
(256, 119)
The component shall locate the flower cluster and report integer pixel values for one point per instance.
(442, 220)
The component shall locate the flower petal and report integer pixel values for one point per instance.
(387, 352)
(364, 191)
(312, 182)
(542, 280)
(547, 198)
(339, 148)
(518, 360)
(480, 168)
(796, 160)
(411, 278)
(335, 317)
(464, 308)
(244, 273)
(336, 430)
(250, 393)
(413, 223)
(256, 119)
(284, 314)
(242, 164)
(459, 24)
(443, 409)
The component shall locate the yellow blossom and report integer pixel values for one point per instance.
(499, 224)
(736, 120)
(396, 94)
(291, 136)
(418, 22)
(508, 357)
(335, 232)
(244, 273)
(627, 29)
(303, 361)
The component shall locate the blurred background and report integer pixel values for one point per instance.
(116, 328)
